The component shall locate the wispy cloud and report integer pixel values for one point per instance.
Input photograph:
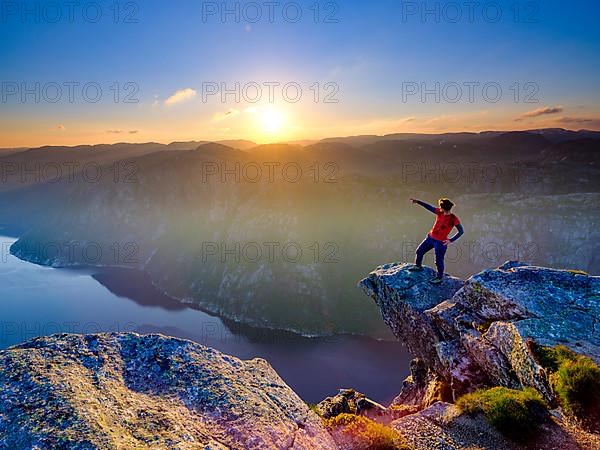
(122, 131)
(181, 96)
(61, 128)
(220, 116)
(592, 122)
(547, 110)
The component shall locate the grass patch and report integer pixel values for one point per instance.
(575, 380)
(577, 385)
(551, 358)
(516, 414)
(361, 433)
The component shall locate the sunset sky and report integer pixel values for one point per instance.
(373, 50)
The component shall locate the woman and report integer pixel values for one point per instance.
(438, 236)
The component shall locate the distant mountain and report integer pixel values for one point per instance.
(187, 145)
(553, 135)
(7, 151)
(519, 142)
(190, 145)
(558, 135)
(198, 218)
(302, 142)
(239, 144)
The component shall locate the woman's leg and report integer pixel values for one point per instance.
(425, 246)
(440, 253)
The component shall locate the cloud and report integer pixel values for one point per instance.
(61, 128)
(181, 96)
(122, 131)
(584, 121)
(576, 120)
(220, 116)
(540, 112)
(407, 119)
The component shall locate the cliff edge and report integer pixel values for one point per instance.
(132, 391)
(482, 332)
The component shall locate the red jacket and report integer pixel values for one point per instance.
(443, 225)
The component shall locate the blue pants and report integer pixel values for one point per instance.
(440, 251)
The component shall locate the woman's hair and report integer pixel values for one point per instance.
(446, 204)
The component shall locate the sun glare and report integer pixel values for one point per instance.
(272, 122)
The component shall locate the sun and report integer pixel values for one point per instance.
(272, 122)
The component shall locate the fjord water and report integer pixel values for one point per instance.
(37, 301)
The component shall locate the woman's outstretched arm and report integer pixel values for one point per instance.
(427, 206)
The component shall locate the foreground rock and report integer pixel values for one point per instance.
(349, 401)
(479, 332)
(131, 391)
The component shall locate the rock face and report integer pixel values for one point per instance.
(348, 401)
(478, 332)
(131, 391)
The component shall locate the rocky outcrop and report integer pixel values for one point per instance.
(349, 401)
(479, 332)
(131, 391)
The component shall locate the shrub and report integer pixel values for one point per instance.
(359, 432)
(516, 414)
(551, 358)
(577, 384)
(575, 380)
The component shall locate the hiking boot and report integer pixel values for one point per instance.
(415, 269)
(436, 280)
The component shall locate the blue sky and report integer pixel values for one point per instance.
(369, 53)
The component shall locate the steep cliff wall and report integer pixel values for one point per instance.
(479, 332)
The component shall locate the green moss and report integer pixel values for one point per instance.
(551, 358)
(365, 434)
(577, 385)
(575, 380)
(516, 414)
(313, 408)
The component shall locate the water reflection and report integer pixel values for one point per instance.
(38, 301)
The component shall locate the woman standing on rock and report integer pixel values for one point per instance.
(438, 236)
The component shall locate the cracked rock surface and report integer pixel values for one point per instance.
(478, 332)
(129, 391)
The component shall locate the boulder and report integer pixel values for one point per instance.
(349, 401)
(477, 333)
(132, 391)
